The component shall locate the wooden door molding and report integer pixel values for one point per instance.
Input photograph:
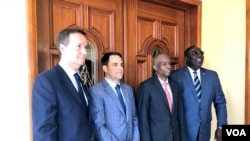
(149, 45)
(247, 73)
(192, 9)
(118, 39)
(96, 40)
(194, 29)
(32, 50)
(102, 20)
(173, 32)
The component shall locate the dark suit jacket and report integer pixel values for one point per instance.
(198, 116)
(156, 122)
(58, 114)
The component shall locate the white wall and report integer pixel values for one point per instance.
(14, 97)
(223, 41)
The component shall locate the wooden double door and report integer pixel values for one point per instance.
(138, 29)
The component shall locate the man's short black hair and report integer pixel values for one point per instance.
(189, 48)
(106, 56)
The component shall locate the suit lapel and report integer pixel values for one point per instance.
(85, 90)
(125, 96)
(66, 80)
(113, 95)
(160, 90)
(204, 81)
(190, 82)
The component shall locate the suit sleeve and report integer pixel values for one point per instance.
(182, 125)
(136, 134)
(143, 108)
(44, 110)
(220, 103)
(97, 117)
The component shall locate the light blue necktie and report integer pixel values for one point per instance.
(197, 85)
(119, 94)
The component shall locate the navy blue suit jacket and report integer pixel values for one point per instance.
(198, 116)
(156, 122)
(58, 114)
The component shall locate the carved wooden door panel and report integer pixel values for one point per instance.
(157, 29)
(102, 20)
(136, 28)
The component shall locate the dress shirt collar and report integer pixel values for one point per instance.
(111, 83)
(69, 71)
(161, 81)
(191, 71)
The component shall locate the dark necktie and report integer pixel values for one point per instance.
(197, 85)
(80, 89)
(119, 94)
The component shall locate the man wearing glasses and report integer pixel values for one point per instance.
(200, 88)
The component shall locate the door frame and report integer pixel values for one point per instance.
(32, 50)
(247, 65)
(33, 55)
(194, 28)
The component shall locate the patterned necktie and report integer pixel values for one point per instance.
(165, 84)
(80, 89)
(197, 85)
(119, 94)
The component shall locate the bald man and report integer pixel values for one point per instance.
(160, 105)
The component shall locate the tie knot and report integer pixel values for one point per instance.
(165, 83)
(77, 76)
(117, 87)
(195, 73)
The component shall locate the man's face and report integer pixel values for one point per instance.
(114, 69)
(162, 66)
(195, 58)
(74, 53)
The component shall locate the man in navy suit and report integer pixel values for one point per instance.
(112, 104)
(59, 113)
(160, 105)
(197, 108)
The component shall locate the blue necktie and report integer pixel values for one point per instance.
(119, 94)
(79, 87)
(197, 85)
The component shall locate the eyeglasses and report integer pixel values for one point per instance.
(195, 53)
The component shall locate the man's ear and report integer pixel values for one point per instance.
(104, 68)
(62, 48)
(154, 67)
